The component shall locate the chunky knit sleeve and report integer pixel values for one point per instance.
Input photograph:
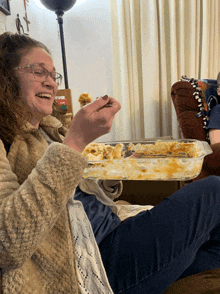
(29, 211)
(112, 189)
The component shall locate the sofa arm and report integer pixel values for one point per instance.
(205, 282)
(212, 161)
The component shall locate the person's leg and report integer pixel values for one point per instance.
(208, 256)
(150, 251)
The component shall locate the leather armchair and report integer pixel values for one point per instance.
(191, 114)
(192, 120)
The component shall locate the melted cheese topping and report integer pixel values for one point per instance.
(100, 151)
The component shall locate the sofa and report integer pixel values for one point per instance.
(193, 99)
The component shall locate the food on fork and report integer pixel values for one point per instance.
(84, 98)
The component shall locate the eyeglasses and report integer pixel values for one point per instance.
(41, 73)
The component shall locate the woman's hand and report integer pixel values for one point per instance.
(91, 122)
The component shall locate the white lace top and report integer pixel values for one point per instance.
(91, 273)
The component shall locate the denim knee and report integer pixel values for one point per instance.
(211, 182)
(209, 188)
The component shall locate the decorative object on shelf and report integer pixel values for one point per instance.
(26, 17)
(26, 4)
(19, 26)
(60, 6)
(5, 7)
(64, 100)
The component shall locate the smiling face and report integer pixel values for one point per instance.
(37, 95)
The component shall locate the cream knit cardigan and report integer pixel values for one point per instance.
(37, 236)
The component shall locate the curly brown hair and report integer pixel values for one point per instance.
(13, 114)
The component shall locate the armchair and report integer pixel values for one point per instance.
(193, 99)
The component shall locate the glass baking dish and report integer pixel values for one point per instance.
(165, 160)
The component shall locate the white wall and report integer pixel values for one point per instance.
(87, 33)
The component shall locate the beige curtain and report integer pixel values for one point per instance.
(155, 42)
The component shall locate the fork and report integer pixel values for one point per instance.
(108, 105)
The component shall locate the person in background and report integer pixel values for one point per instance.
(60, 233)
(213, 125)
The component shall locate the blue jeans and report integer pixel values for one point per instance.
(177, 238)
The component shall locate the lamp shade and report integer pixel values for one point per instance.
(58, 5)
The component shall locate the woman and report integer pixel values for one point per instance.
(37, 248)
(48, 241)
